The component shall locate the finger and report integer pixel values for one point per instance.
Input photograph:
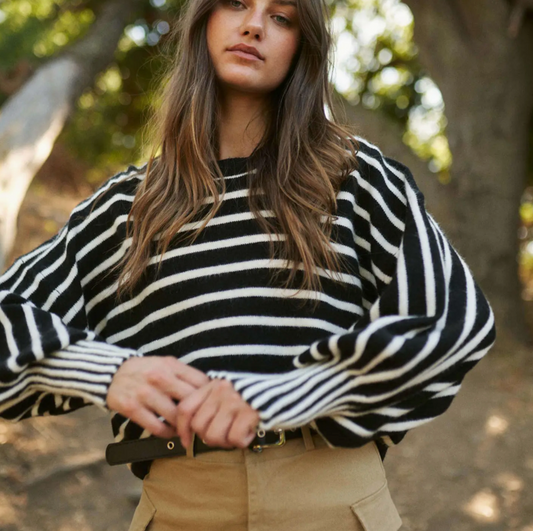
(170, 384)
(243, 428)
(215, 431)
(179, 390)
(147, 420)
(185, 411)
(161, 404)
(213, 410)
(189, 374)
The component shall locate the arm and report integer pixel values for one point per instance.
(50, 361)
(402, 362)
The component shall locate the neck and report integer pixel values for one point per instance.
(241, 123)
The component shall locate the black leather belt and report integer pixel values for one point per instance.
(156, 448)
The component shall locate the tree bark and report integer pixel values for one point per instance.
(32, 118)
(486, 79)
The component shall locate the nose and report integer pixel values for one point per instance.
(253, 24)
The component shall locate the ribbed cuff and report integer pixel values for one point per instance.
(84, 369)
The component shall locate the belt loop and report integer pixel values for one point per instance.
(190, 448)
(308, 438)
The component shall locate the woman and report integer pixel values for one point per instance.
(267, 289)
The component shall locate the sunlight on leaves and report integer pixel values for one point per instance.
(111, 80)
(68, 27)
(375, 66)
(525, 236)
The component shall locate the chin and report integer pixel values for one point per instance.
(245, 84)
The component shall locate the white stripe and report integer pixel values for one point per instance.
(451, 391)
(240, 320)
(236, 194)
(44, 249)
(234, 294)
(218, 244)
(378, 198)
(12, 364)
(296, 396)
(345, 222)
(193, 274)
(403, 284)
(71, 234)
(364, 273)
(383, 242)
(61, 289)
(106, 264)
(35, 409)
(406, 425)
(386, 279)
(120, 434)
(247, 350)
(88, 393)
(38, 382)
(36, 346)
(60, 329)
(102, 237)
(377, 164)
(221, 220)
(427, 258)
(76, 308)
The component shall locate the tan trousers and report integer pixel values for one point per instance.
(301, 486)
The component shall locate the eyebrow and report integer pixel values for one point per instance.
(285, 2)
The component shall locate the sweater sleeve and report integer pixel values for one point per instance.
(401, 363)
(50, 361)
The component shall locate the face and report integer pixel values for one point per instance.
(267, 28)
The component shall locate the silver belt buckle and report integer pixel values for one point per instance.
(258, 448)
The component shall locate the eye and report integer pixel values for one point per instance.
(235, 3)
(282, 20)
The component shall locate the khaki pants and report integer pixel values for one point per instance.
(302, 486)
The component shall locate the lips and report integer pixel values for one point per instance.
(246, 49)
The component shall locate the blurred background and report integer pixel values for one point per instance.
(446, 87)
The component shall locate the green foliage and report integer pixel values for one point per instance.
(106, 128)
(377, 66)
(35, 30)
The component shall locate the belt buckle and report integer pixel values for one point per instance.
(258, 448)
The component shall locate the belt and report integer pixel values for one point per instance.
(156, 448)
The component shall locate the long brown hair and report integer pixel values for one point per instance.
(299, 164)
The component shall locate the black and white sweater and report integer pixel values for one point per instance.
(384, 351)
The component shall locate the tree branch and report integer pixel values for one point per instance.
(29, 131)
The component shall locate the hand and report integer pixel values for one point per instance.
(218, 415)
(143, 389)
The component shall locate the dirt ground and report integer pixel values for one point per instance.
(471, 469)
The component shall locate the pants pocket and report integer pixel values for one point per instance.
(377, 512)
(144, 514)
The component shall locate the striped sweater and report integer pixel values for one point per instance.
(385, 350)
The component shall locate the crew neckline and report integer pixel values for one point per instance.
(233, 165)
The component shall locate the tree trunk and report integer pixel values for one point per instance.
(32, 118)
(486, 78)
